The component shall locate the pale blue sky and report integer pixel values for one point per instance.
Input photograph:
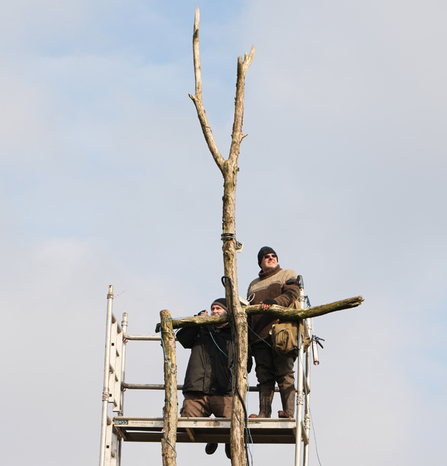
(106, 179)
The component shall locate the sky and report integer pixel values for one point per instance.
(105, 179)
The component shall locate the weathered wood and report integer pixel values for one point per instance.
(197, 98)
(275, 311)
(237, 314)
(229, 169)
(315, 311)
(170, 409)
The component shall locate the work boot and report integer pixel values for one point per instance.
(288, 402)
(265, 403)
(228, 450)
(210, 448)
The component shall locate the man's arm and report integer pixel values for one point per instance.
(290, 293)
(188, 335)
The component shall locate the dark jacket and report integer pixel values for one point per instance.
(211, 360)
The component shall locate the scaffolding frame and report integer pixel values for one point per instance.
(119, 428)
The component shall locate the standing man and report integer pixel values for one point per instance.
(208, 383)
(271, 288)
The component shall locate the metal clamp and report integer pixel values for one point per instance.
(231, 236)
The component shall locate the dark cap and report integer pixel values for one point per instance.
(222, 302)
(263, 251)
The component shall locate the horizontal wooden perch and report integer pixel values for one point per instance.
(284, 313)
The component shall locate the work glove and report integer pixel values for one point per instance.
(269, 301)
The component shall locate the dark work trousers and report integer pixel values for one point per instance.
(198, 404)
(271, 368)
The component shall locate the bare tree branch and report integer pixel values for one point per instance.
(275, 311)
(196, 52)
(197, 98)
(237, 136)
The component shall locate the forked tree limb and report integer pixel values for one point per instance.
(236, 138)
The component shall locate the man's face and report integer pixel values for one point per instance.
(269, 261)
(216, 310)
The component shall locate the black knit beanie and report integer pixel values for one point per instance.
(263, 251)
(222, 302)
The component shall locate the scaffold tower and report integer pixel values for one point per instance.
(117, 428)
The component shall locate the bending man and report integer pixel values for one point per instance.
(207, 388)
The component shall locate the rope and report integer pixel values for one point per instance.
(218, 347)
(170, 444)
(164, 353)
(248, 425)
(306, 393)
(265, 341)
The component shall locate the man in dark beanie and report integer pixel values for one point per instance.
(271, 288)
(208, 380)
(263, 252)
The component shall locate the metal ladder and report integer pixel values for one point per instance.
(110, 451)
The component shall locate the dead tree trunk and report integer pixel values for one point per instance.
(170, 409)
(229, 169)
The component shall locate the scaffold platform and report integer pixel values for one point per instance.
(204, 430)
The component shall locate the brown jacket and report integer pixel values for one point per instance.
(270, 285)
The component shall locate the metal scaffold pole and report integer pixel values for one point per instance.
(124, 324)
(300, 382)
(306, 427)
(105, 391)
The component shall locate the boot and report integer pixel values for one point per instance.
(265, 403)
(210, 448)
(288, 402)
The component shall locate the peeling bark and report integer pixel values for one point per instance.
(170, 409)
